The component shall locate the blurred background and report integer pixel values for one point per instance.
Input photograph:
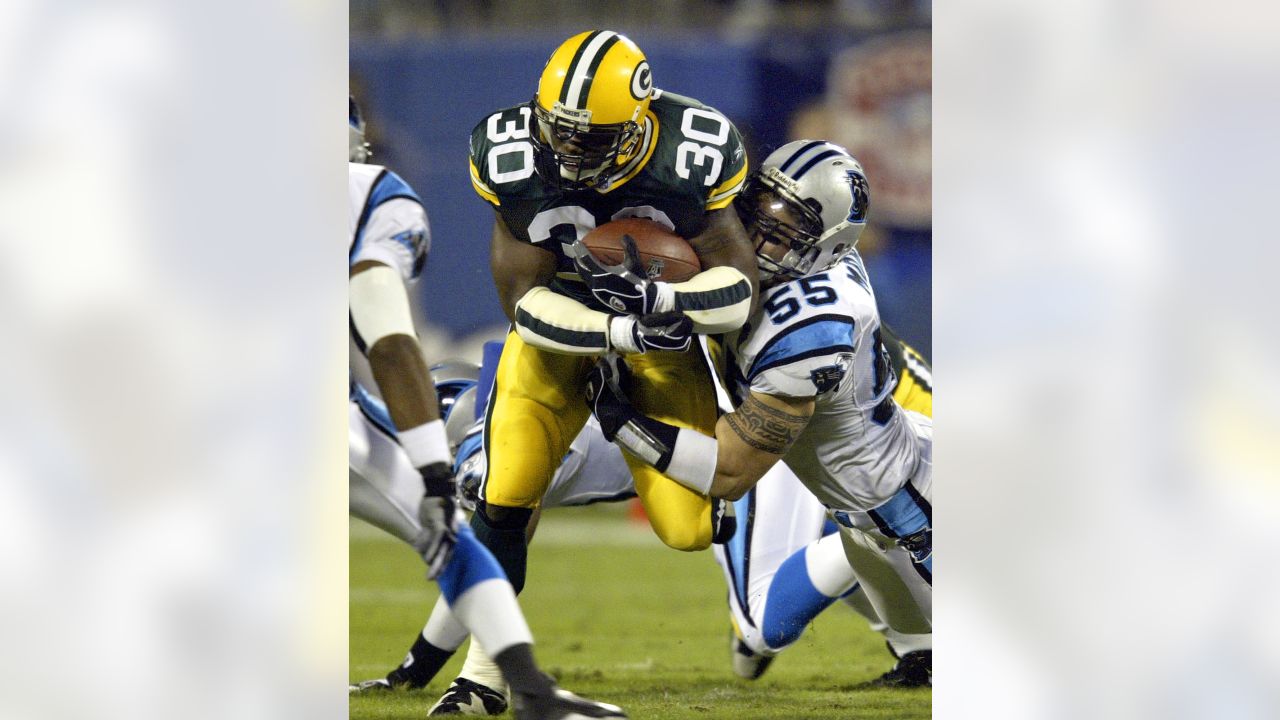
(856, 72)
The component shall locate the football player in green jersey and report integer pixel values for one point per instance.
(600, 143)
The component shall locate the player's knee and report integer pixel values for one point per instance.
(687, 537)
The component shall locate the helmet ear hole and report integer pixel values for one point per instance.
(816, 208)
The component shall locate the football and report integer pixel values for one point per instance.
(663, 254)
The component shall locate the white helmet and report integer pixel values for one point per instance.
(357, 148)
(824, 186)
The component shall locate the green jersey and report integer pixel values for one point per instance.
(689, 160)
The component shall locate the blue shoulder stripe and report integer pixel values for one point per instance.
(818, 335)
(387, 186)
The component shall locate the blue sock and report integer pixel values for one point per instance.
(793, 602)
(471, 564)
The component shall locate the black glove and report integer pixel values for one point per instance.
(650, 440)
(672, 331)
(438, 515)
(606, 397)
(624, 288)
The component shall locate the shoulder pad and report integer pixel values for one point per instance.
(804, 358)
(501, 154)
(805, 377)
(392, 227)
(709, 152)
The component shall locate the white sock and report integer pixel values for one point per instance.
(480, 668)
(443, 629)
(489, 610)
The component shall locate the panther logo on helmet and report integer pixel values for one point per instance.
(591, 102)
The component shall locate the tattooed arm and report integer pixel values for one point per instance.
(748, 441)
(754, 437)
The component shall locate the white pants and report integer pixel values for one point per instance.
(779, 518)
(385, 489)
(898, 586)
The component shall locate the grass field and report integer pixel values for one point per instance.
(619, 617)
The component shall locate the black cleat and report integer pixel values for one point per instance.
(466, 697)
(561, 704)
(915, 669)
(369, 687)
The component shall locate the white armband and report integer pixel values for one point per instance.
(426, 444)
(379, 305)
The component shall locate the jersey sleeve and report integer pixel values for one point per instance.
(806, 359)
(478, 150)
(393, 227)
(733, 174)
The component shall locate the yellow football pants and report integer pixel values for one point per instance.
(910, 394)
(537, 408)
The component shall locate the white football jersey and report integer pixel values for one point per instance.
(387, 224)
(819, 336)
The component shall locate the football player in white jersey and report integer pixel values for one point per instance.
(396, 433)
(812, 386)
(785, 564)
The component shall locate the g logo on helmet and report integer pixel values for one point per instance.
(641, 81)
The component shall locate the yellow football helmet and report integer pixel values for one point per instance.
(591, 101)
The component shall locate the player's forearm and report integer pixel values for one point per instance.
(748, 442)
(717, 300)
(548, 320)
(404, 381)
(383, 326)
(697, 461)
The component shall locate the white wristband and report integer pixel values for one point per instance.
(426, 444)
(666, 300)
(621, 337)
(693, 460)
